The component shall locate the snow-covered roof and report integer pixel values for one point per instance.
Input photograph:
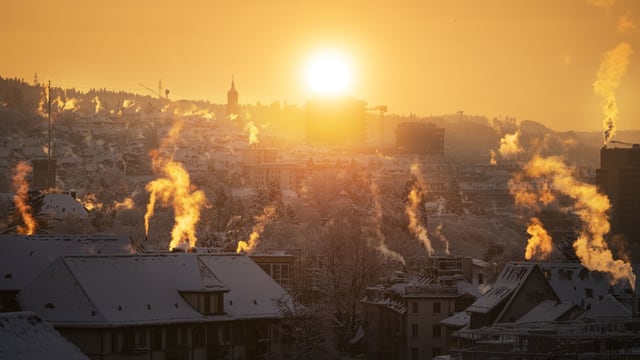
(121, 290)
(457, 320)
(252, 292)
(546, 311)
(23, 257)
(607, 308)
(576, 284)
(510, 279)
(59, 206)
(24, 336)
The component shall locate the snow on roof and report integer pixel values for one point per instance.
(59, 206)
(457, 320)
(23, 335)
(608, 307)
(510, 279)
(479, 263)
(147, 289)
(253, 293)
(23, 257)
(576, 284)
(101, 290)
(546, 311)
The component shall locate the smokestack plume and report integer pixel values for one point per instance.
(377, 239)
(510, 145)
(414, 202)
(592, 208)
(253, 133)
(612, 69)
(174, 189)
(21, 198)
(540, 244)
(261, 221)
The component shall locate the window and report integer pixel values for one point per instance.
(172, 336)
(481, 278)
(414, 330)
(414, 354)
(156, 339)
(115, 346)
(414, 307)
(184, 336)
(198, 336)
(207, 304)
(436, 330)
(128, 339)
(142, 341)
(436, 307)
(588, 292)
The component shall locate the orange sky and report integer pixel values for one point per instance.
(529, 59)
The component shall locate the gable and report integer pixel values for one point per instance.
(534, 290)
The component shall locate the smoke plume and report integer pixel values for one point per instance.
(97, 104)
(261, 221)
(21, 198)
(174, 189)
(592, 208)
(510, 145)
(540, 244)
(253, 133)
(377, 240)
(414, 201)
(612, 69)
(126, 204)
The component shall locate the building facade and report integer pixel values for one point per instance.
(619, 178)
(162, 306)
(420, 138)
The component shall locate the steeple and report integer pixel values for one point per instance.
(232, 99)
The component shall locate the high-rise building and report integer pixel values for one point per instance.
(619, 178)
(232, 100)
(420, 138)
(336, 121)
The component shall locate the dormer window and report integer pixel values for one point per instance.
(205, 302)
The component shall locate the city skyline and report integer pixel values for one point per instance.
(532, 60)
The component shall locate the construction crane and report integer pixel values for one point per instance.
(157, 93)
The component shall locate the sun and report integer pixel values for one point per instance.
(328, 74)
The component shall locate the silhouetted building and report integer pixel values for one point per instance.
(44, 174)
(404, 314)
(420, 138)
(232, 100)
(619, 178)
(336, 121)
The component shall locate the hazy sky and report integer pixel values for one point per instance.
(534, 59)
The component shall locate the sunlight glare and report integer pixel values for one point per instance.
(328, 74)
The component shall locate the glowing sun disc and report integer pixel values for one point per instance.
(328, 74)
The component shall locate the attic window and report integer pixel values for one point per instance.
(176, 305)
(49, 306)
